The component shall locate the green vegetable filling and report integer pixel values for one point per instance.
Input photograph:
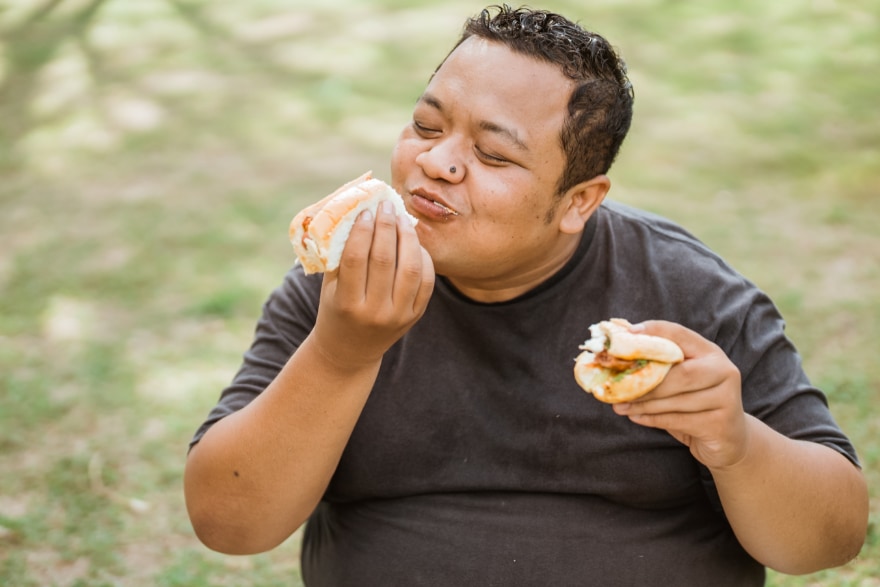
(638, 365)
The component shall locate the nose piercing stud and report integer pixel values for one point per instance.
(452, 169)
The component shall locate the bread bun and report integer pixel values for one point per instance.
(617, 365)
(627, 345)
(318, 232)
(611, 388)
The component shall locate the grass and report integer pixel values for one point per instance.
(146, 189)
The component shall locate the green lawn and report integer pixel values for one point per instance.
(153, 153)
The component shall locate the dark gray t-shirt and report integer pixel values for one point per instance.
(479, 461)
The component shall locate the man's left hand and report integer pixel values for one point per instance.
(700, 401)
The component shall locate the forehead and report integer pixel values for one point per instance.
(492, 82)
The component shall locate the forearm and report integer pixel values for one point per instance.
(795, 506)
(257, 474)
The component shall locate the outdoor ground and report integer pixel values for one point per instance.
(152, 154)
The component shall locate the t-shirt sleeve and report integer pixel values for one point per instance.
(701, 290)
(288, 316)
(670, 274)
(775, 387)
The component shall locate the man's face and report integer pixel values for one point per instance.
(495, 116)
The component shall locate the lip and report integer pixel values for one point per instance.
(430, 205)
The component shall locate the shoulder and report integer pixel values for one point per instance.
(657, 269)
(296, 284)
(292, 307)
(624, 221)
(651, 247)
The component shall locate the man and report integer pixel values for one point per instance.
(429, 429)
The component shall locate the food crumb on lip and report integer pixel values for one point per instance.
(449, 210)
(446, 210)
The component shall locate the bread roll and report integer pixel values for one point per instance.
(612, 388)
(318, 232)
(617, 365)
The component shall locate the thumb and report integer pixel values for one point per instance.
(692, 344)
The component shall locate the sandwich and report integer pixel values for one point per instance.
(617, 365)
(319, 231)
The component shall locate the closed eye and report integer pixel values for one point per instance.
(424, 130)
(490, 158)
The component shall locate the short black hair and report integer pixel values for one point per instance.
(600, 106)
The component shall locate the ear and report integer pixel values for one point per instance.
(580, 201)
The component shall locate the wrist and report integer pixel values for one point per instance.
(336, 359)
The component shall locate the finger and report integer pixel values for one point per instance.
(675, 423)
(689, 402)
(351, 276)
(426, 287)
(691, 343)
(689, 376)
(383, 254)
(408, 275)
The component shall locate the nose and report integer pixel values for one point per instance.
(443, 161)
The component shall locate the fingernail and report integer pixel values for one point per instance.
(387, 207)
(637, 327)
(366, 217)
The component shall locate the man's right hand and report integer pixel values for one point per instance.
(381, 288)
(298, 427)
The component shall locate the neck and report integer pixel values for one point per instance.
(502, 288)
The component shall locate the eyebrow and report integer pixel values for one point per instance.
(508, 134)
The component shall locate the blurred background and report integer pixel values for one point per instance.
(152, 153)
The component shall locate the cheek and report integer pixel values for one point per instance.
(403, 155)
(397, 155)
(514, 204)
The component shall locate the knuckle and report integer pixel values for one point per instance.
(348, 310)
(353, 255)
(411, 271)
(732, 371)
(382, 259)
(351, 259)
